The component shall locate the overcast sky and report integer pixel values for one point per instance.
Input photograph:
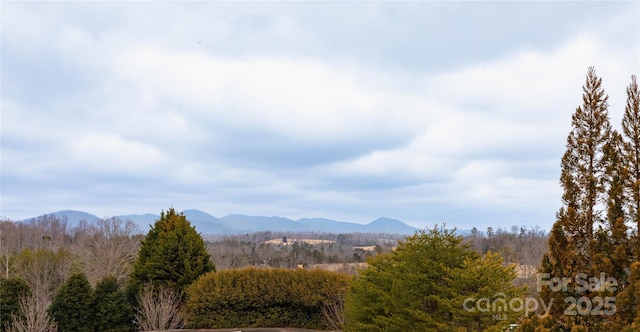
(428, 112)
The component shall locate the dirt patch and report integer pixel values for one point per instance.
(365, 248)
(339, 267)
(292, 241)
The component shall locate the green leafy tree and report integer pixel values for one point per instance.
(172, 254)
(113, 313)
(431, 282)
(11, 290)
(72, 308)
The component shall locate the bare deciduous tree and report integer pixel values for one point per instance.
(159, 309)
(33, 316)
(44, 270)
(108, 249)
(9, 245)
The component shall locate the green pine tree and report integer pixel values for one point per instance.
(424, 285)
(113, 313)
(172, 254)
(72, 308)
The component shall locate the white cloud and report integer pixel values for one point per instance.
(491, 183)
(514, 111)
(296, 98)
(109, 153)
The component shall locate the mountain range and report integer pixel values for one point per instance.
(205, 223)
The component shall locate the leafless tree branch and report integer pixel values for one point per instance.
(33, 316)
(159, 310)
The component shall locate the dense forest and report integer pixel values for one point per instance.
(584, 275)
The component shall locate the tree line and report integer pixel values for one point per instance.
(108, 277)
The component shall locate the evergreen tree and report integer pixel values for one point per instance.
(584, 163)
(172, 254)
(586, 173)
(113, 313)
(11, 290)
(431, 282)
(631, 133)
(72, 307)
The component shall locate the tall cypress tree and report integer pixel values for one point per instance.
(583, 178)
(585, 160)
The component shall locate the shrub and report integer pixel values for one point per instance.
(263, 298)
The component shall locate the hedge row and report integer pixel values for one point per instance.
(254, 297)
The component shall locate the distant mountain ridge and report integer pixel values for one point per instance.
(205, 223)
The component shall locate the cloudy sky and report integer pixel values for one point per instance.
(428, 112)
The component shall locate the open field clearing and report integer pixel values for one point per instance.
(292, 241)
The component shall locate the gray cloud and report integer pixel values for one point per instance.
(428, 111)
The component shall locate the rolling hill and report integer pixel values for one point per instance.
(205, 223)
